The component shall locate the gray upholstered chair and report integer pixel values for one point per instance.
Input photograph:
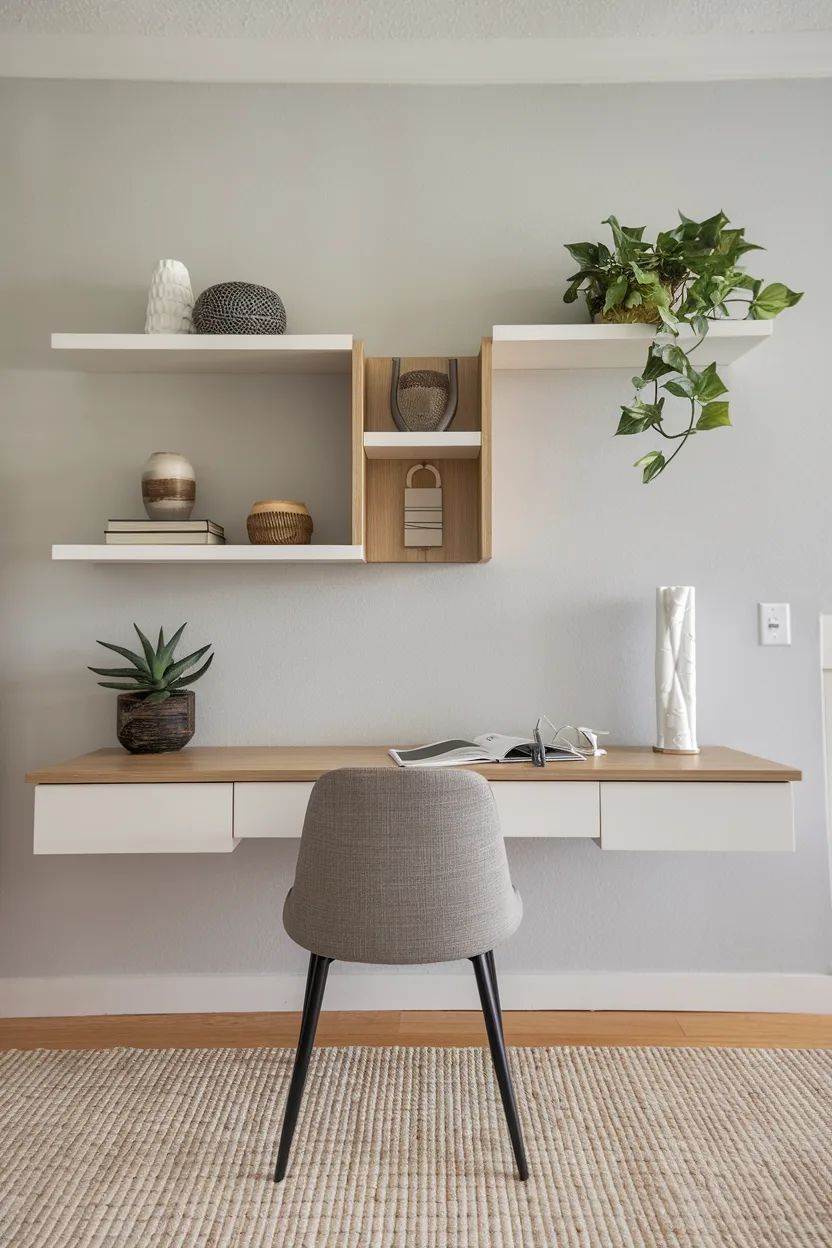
(401, 866)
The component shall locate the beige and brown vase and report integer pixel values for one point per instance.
(168, 486)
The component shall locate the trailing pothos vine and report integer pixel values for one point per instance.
(689, 276)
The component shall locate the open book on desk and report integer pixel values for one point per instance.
(490, 748)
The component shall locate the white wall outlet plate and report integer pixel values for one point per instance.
(775, 623)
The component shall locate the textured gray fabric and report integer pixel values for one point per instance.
(401, 867)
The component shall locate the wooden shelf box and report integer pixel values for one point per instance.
(463, 462)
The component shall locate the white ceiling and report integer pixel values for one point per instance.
(416, 41)
(413, 19)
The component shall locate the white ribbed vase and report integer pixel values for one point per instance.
(676, 670)
(170, 302)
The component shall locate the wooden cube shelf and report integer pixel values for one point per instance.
(463, 462)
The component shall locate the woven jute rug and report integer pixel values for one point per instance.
(408, 1147)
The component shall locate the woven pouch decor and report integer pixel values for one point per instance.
(239, 308)
(276, 522)
(423, 397)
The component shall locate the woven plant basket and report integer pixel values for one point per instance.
(276, 522)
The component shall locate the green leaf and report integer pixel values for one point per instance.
(615, 293)
(166, 654)
(676, 358)
(639, 416)
(161, 640)
(586, 254)
(713, 415)
(669, 321)
(176, 669)
(115, 684)
(118, 671)
(708, 385)
(653, 463)
(683, 388)
(655, 366)
(149, 652)
(184, 681)
(161, 695)
(699, 324)
(773, 300)
(571, 293)
(135, 659)
(640, 382)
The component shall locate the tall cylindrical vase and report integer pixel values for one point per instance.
(676, 670)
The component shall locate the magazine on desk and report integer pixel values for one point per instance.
(493, 747)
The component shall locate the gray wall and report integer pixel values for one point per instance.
(415, 218)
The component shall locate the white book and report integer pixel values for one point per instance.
(164, 526)
(492, 747)
(163, 539)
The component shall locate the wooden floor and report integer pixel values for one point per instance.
(429, 1027)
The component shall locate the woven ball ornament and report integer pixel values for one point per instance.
(239, 308)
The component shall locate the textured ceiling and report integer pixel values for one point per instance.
(412, 19)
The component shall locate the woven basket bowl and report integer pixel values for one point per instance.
(277, 522)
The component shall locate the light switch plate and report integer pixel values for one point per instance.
(775, 623)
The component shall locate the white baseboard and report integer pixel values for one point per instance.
(208, 994)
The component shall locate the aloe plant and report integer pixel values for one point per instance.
(155, 675)
(687, 277)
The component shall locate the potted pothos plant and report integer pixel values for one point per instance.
(156, 713)
(688, 276)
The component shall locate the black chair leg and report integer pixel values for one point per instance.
(489, 999)
(315, 985)
(492, 966)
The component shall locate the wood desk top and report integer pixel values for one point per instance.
(267, 763)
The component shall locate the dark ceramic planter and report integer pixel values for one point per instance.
(158, 728)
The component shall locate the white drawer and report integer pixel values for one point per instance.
(697, 816)
(548, 807)
(270, 809)
(133, 818)
(526, 808)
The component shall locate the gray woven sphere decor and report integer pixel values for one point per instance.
(239, 308)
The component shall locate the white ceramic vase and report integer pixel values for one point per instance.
(168, 486)
(170, 302)
(676, 670)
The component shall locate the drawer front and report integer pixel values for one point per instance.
(133, 818)
(276, 810)
(526, 809)
(697, 816)
(551, 808)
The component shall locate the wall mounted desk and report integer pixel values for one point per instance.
(208, 799)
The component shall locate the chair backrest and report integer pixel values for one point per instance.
(401, 866)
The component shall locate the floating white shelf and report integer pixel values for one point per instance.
(209, 554)
(430, 445)
(205, 353)
(613, 346)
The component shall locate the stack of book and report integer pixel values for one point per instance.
(164, 533)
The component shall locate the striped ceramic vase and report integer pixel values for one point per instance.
(168, 486)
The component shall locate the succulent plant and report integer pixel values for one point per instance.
(156, 675)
